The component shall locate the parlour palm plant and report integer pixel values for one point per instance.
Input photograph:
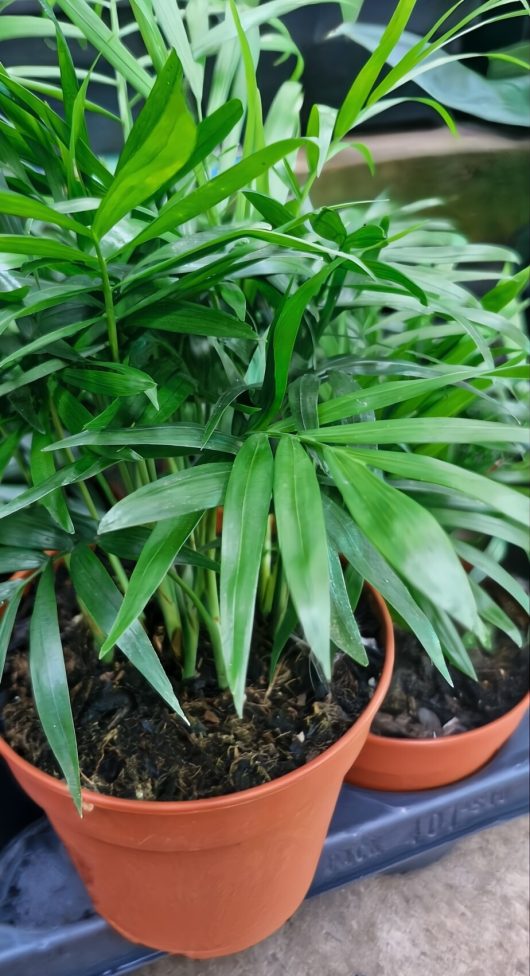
(214, 396)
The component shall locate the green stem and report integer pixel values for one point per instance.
(212, 626)
(109, 305)
(171, 614)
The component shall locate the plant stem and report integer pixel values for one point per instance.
(212, 626)
(109, 305)
(212, 600)
(171, 614)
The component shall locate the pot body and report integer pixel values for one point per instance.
(423, 764)
(206, 877)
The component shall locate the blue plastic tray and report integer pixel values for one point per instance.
(47, 923)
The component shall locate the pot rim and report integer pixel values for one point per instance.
(390, 741)
(91, 799)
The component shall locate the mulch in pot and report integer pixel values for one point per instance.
(131, 745)
(422, 705)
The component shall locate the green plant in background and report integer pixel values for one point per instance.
(182, 332)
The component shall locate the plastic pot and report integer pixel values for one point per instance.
(391, 764)
(206, 877)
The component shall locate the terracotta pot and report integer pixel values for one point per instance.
(422, 764)
(206, 877)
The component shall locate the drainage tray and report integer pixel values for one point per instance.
(48, 925)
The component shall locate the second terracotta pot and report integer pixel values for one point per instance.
(206, 877)
(422, 764)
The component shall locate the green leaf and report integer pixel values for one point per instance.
(485, 524)
(212, 131)
(191, 490)
(42, 342)
(369, 73)
(178, 209)
(348, 540)
(495, 615)
(486, 564)
(421, 430)
(390, 393)
(303, 400)
(170, 20)
(102, 599)
(185, 436)
(107, 43)
(7, 622)
(452, 643)
(406, 534)
(13, 559)
(303, 544)
(506, 291)
(246, 510)
(423, 468)
(191, 319)
(18, 205)
(273, 212)
(152, 565)
(111, 379)
(160, 142)
(36, 525)
(344, 630)
(49, 683)
(80, 470)
(152, 38)
(44, 247)
(282, 339)
(42, 467)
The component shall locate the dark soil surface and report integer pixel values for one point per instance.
(422, 705)
(132, 745)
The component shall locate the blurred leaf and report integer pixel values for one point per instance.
(172, 435)
(80, 470)
(495, 615)
(506, 291)
(484, 562)
(421, 430)
(7, 621)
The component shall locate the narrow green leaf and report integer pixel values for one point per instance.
(13, 559)
(42, 467)
(107, 43)
(18, 205)
(185, 436)
(369, 73)
(110, 379)
(303, 544)
(495, 615)
(303, 400)
(282, 339)
(152, 38)
(246, 510)
(191, 319)
(406, 534)
(44, 247)
(170, 19)
(152, 565)
(191, 490)
(486, 564)
(348, 540)
(49, 683)
(485, 524)
(506, 291)
(422, 430)
(102, 600)
(80, 470)
(8, 616)
(178, 209)
(423, 468)
(344, 629)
